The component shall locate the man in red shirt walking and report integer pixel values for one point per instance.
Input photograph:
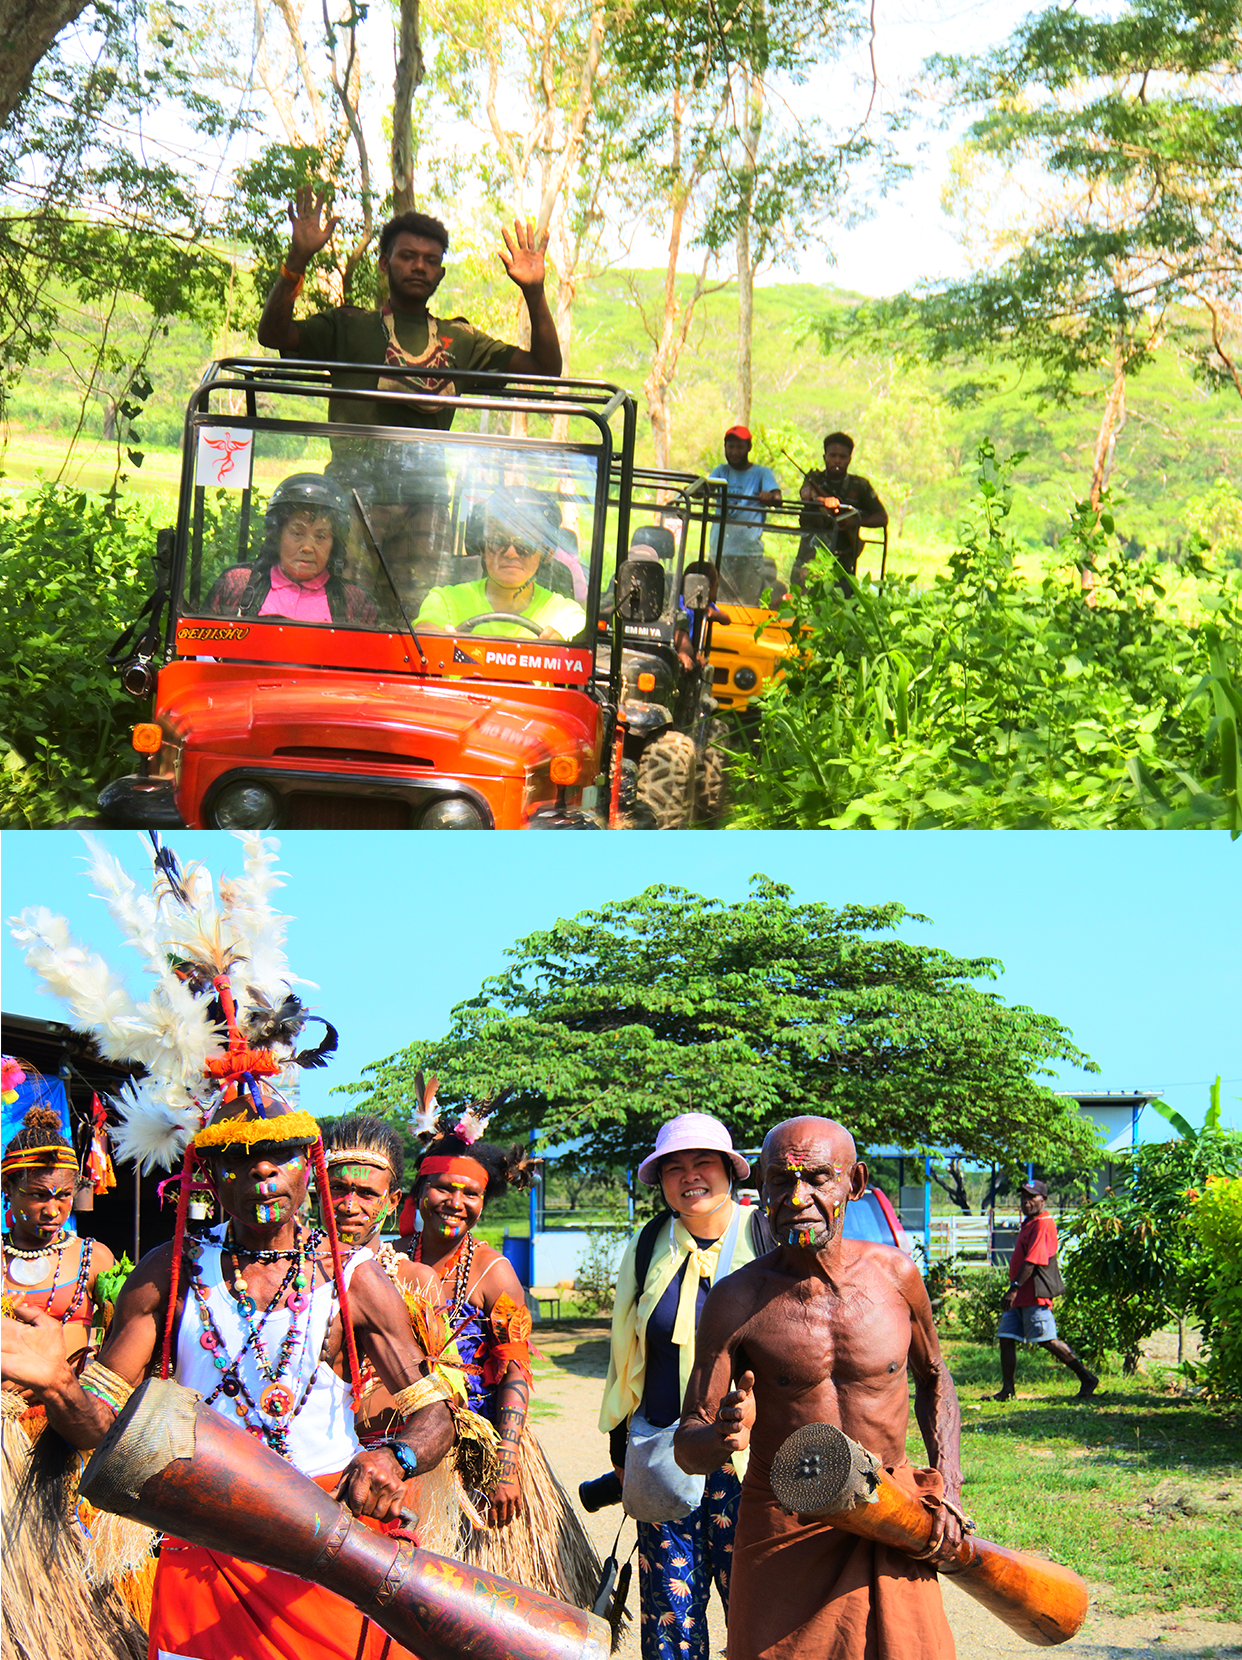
(1034, 1279)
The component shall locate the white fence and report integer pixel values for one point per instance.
(968, 1237)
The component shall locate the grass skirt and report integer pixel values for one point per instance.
(546, 1547)
(69, 1608)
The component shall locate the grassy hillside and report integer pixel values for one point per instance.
(914, 443)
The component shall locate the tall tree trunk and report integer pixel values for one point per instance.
(750, 132)
(409, 78)
(673, 321)
(655, 390)
(568, 275)
(1111, 423)
(27, 30)
(347, 84)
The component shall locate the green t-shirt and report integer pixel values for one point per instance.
(444, 608)
(351, 335)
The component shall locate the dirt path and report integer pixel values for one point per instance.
(566, 1412)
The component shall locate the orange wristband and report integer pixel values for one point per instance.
(297, 278)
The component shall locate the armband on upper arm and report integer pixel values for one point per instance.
(511, 1326)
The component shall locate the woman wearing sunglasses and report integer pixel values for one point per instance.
(508, 599)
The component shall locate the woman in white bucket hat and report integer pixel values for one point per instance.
(685, 1523)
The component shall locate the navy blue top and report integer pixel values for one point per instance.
(661, 1402)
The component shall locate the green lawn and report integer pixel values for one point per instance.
(1139, 1490)
(31, 455)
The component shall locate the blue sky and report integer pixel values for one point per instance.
(1125, 937)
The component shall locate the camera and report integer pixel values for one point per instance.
(600, 1493)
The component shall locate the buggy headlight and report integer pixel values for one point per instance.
(452, 813)
(246, 805)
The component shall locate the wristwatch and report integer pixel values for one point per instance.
(405, 1456)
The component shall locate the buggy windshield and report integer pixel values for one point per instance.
(343, 529)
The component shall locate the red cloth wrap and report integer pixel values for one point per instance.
(504, 1355)
(211, 1607)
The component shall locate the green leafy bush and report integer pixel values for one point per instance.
(981, 701)
(73, 572)
(595, 1276)
(1132, 1260)
(973, 1309)
(1216, 1220)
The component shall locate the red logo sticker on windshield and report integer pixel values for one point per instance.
(220, 631)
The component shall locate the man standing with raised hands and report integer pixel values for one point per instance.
(403, 331)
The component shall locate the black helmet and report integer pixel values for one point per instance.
(310, 490)
(661, 540)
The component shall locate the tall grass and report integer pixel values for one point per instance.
(982, 700)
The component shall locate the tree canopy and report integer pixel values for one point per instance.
(1123, 136)
(609, 1023)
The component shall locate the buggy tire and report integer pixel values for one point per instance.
(667, 777)
(713, 787)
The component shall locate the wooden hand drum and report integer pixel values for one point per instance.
(819, 1472)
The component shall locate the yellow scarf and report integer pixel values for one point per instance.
(627, 1365)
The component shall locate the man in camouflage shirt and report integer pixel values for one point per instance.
(828, 497)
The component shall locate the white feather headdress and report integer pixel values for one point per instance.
(188, 942)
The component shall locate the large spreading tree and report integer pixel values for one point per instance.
(607, 1024)
(1117, 140)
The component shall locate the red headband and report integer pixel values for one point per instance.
(453, 1167)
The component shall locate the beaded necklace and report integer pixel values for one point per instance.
(277, 1405)
(461, 1283)
(59, 1246)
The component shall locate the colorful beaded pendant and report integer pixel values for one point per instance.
(276, 1401)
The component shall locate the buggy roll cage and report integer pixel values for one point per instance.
(596, 402)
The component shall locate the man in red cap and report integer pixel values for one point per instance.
(742, 565)
(1034, 1280)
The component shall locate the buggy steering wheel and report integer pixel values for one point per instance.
(472, 623)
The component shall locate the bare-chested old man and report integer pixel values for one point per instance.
(823, 1330)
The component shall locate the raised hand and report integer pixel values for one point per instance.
(310, 231)
(735, 1416)
(523, 254)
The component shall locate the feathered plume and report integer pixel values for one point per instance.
(165, 861)
(187, 942)
(425, 1124)
(323, 1051)
(522, 1171)
(95, 995)
(257, 930)
(135, 913)
(152, 1131)
(471, 1125)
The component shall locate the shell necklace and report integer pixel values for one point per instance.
(27, 1267)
